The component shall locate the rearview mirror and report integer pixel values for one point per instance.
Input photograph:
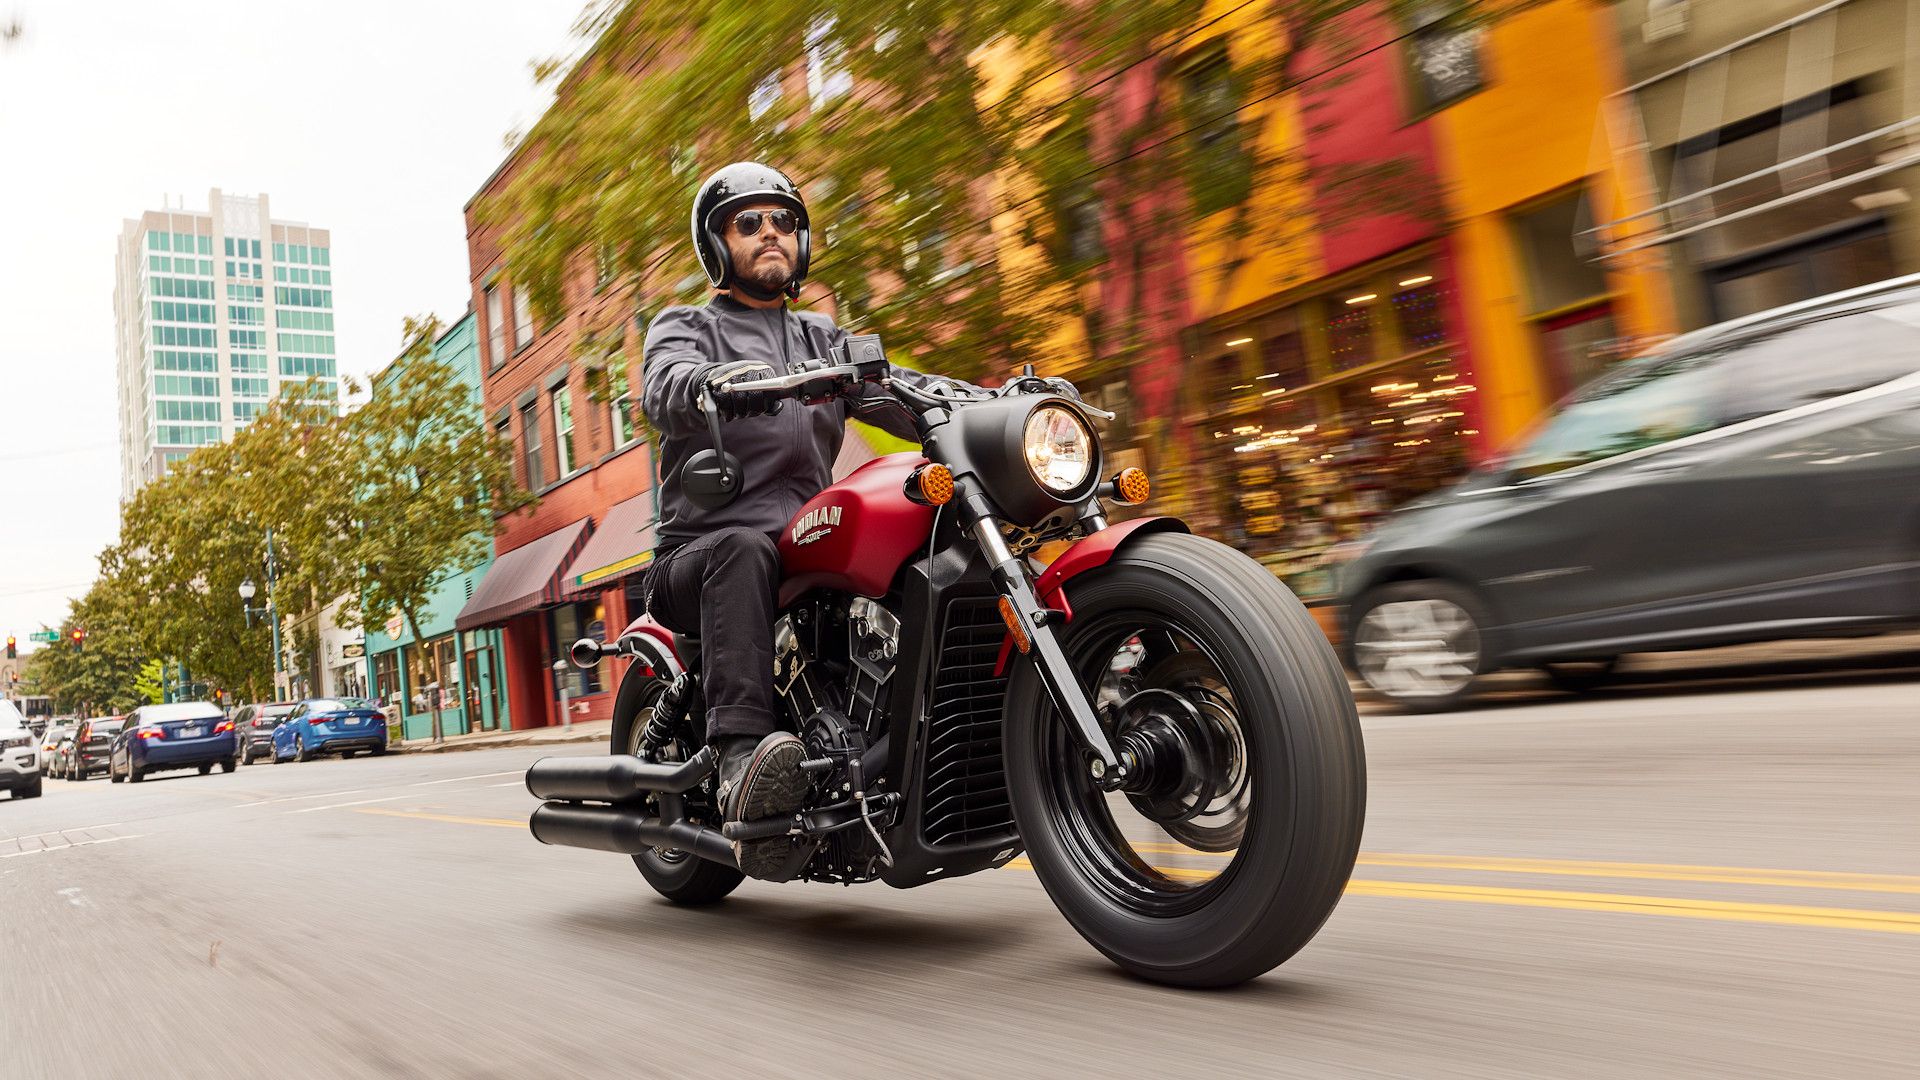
(711, 479)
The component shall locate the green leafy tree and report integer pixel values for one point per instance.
(427, 481)
(150, 684)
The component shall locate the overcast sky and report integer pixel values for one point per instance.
(377, 119)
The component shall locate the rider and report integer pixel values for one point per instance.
(715, 573)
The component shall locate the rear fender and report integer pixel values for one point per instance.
(1089, 553)
(651, 645)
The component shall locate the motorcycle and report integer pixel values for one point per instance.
(1152, 718)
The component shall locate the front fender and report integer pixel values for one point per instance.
(1087, 553)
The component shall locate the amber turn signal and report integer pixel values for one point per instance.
(935, 483)
(1131, 486)
(1012, 618)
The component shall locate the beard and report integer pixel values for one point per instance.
(770, 275)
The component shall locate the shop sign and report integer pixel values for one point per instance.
(354, 651)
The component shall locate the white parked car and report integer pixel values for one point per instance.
(19, 754)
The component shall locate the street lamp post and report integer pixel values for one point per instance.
(247, 592)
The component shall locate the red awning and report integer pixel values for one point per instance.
(621, 546)
(524, 579)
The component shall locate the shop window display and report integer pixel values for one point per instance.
(1314, 438)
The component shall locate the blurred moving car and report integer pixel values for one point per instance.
(253, 728)
(91, 742)
(19, 754)
(1753, 481)
(178, 735)
(343, 726)
(54, 745)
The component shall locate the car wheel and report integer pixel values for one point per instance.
(1580, 676)
(300, 751)
(77, 775)
(32, 792)
(112, 777)
(207, 768)
(229, 765)
(1420, 644)
(348, 754)
(135, 774)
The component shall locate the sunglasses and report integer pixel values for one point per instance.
(747, 222)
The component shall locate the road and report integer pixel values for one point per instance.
(1657, 882)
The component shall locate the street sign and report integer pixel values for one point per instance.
(45, 637)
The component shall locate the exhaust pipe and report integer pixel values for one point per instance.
(624, 832)
(617, 778)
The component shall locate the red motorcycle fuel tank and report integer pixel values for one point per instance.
(854, 536)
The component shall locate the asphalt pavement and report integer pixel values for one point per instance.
(1689, 877)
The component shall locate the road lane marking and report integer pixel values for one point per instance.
(477, 776)
(337, 806)
(498, 823)
(69, 847)
(1893, 922)
(1718, 875)
(298, 798)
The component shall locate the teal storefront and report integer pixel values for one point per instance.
(460, 673)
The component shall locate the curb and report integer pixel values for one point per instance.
(529, 739)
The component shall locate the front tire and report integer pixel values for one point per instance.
(1273, 727)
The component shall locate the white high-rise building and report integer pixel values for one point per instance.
(217, 312)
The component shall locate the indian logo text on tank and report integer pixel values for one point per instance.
(815, 524)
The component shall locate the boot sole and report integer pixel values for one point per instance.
(774, 787)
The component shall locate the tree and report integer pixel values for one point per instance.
(427, 479)
(150, 686)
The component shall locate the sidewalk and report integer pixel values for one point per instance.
(587, 731)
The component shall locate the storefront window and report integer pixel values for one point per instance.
(386, 676)
(1320, 436)
(432, 664)
(569, 624)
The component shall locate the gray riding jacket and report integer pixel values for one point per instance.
(787, 457)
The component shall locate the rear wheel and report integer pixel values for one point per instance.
(228, 765)
(680, 876)
(300, 751)
(207, 768)
(1420, 643)
(134, 774)
(1241, 821)
(77, 775)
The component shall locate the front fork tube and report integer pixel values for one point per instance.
(1010, 575)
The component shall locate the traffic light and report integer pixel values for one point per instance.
(13, 647)
(79, 637)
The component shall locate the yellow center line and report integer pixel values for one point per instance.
(1893, 922)
(1721, 875)
(498, 823)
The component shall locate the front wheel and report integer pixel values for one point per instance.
(1241, 820)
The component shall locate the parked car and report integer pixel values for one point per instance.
(343, 726)
(253, 728)
(1753, 481)
(53, 746)
(178, 735)
(91, 742)
(19, 756)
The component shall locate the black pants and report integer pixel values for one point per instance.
(723, 588)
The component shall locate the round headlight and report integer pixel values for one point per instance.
(1059, 448)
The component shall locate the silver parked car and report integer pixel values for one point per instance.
(1753, 481)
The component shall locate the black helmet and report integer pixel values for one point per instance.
(736, 185)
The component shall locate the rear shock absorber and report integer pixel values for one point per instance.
(667, 713)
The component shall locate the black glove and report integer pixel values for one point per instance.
(735, 404)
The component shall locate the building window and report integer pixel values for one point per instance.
(562, 429)
(496, 328)
(620, 399)
(522, 318)
(1219, 170)
(568, 624)
(1445, 52)
(530, 443)
(765, 95)
(827, 74)
(386, 676)
(431, 665)
(1567, 297)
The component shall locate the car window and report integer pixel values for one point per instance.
(1644, 402)
(335, 704)
(1822, 360)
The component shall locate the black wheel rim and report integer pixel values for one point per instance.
(1135, 846)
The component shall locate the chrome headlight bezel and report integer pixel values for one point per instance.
(1040, 458)
(986, 441)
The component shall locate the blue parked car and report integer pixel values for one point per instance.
(179, 735)
(343, 726)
